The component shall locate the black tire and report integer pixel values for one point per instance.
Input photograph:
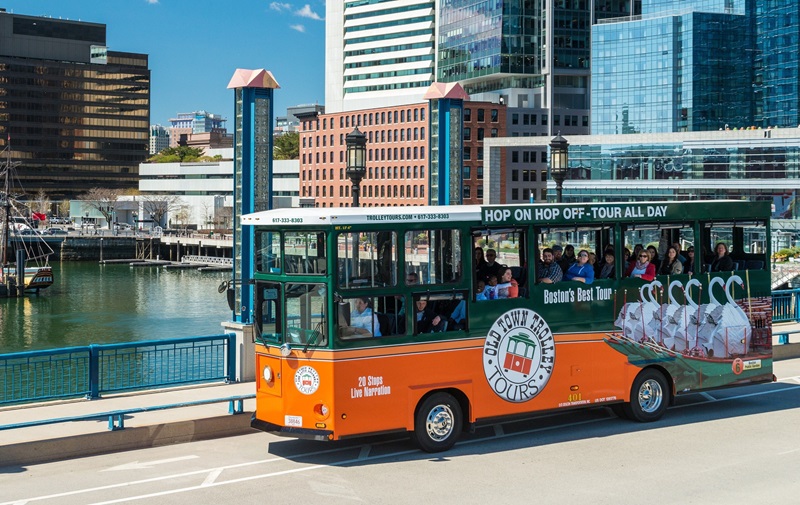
(649, 397)
(438, 423)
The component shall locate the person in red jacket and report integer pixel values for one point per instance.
(642, 267)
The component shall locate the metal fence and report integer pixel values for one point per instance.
(111, 368)
(785, 305)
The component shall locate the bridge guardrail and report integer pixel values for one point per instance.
(92, 370)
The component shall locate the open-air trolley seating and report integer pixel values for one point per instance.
(431, 320)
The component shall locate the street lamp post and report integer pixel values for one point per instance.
(559, 158)
(356, 143)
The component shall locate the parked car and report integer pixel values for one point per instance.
(55, 231)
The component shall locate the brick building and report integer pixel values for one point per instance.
(397, 152)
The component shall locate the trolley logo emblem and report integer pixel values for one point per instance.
(519, 355)
(306, 380)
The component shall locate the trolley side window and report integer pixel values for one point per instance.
(659, 238)
(268, 252)
(268, 312)
(305, 314)
(304, 252)
(432, 256)
(366, 259)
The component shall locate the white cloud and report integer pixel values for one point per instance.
(152, 2)
(277, 6)
(299, 28)
(306, 12)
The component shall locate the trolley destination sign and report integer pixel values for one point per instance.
(598, 212)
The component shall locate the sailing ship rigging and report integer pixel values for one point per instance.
(24, 255)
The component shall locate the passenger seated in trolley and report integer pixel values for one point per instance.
(425, 319)
(363, 321)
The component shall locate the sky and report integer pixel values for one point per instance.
(194, 46)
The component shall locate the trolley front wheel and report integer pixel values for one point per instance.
(438, 422)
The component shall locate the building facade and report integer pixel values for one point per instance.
(206, 188)
(378, 53)
(697, 65)
(77, 115)
(728, 164)
(159, 139)
(187, 124)
(397, 157)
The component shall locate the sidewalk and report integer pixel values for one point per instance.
(790, 350)
(38, 444)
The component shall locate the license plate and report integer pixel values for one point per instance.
(295, 421)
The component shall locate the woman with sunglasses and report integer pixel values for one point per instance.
(581, 270)
(642, 268)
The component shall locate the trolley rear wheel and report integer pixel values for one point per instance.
(649, 397)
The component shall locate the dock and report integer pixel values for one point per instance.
(200, 263)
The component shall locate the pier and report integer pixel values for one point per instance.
(202, 263)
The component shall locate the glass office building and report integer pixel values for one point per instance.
(682, 66)
(744, 164)
(77, 115)
(777, 59)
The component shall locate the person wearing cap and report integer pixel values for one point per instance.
(491, 268)
(557, 252)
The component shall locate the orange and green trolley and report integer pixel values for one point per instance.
(400, 319)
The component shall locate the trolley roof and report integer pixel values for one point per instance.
(543, 213)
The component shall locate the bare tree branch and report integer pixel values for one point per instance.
(159, 206)
(103, 200)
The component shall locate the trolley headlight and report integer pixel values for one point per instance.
(268, 373)
(322, 411)
(286, 350)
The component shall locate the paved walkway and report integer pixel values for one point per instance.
(36, 444)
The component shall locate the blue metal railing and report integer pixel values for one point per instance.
(111, 368)
(785, 306)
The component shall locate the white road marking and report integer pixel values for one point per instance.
(212, 477)
(147, 464)
(315, 467)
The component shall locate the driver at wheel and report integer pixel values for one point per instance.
(363, 321)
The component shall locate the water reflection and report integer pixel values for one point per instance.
(91, 303)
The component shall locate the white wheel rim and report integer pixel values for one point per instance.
(650, 396)
(439, 423)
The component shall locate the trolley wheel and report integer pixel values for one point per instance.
(649, 397)
(437, 424)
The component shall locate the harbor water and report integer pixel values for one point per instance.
(91, 303)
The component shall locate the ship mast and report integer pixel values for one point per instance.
(7, 204)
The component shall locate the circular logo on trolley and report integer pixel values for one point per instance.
(519, 355)
(306, 380)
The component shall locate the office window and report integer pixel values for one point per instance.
(481, 115)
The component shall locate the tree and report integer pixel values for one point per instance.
(103, 200)
(42, 202)
(183, 215)
(159, 206)
(63, 208)
(182, 154)
(286, 146)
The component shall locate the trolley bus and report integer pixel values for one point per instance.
(434, 320)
